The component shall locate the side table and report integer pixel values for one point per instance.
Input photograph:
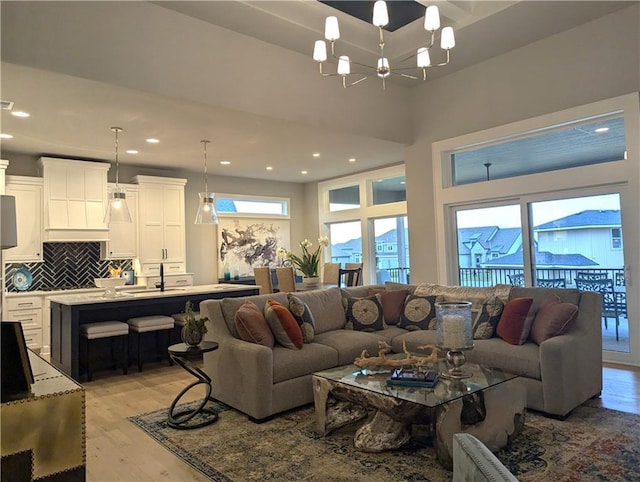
(182, 354)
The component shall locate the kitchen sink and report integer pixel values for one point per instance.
(154, 290)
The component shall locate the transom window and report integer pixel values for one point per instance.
(252, 206)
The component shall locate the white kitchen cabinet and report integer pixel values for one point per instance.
(75, 199)
(123, 237)
(28, 311)
(28, 194)
(161, 221)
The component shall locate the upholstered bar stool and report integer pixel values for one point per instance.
(157, 324)
(115, 331)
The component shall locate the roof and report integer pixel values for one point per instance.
(543, 259)
(584, 219)
(492, 238)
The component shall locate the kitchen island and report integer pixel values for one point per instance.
(69, 311)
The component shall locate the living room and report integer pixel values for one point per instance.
(568, 68)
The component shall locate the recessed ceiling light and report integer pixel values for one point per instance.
(131, 151)
(151, 140)
(304, 172)
(20, 113)
(600, 130)
(6, 136)
(353, 159)
(316, 154)
(269, 168)
(225, 163)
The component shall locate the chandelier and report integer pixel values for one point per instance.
(383, 69)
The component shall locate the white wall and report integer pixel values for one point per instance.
(595, 61)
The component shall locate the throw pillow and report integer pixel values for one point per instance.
(392, 303)
(283, 325)
(301, 312)
(252, 326)
(512, 320)
(552, 319)
(363, 314)
(419, 313)
(484, 326)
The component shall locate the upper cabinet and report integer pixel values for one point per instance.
(161, 224)
(75, 198)
(28, 194)
(123, 237)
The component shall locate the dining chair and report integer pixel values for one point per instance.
(609, 298)
(355, 266)
(330, 273)
(349, 277)
(263, 279)
(286, 279)
(551, 283)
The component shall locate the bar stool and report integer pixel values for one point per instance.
(114, 330)
(180, 319)
(150, 324)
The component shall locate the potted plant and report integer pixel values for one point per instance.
(308, 263)
(194, 328)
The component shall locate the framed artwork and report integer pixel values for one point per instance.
(247, 242)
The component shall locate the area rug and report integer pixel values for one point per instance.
(593, 444)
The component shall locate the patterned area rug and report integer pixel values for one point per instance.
(593, 444)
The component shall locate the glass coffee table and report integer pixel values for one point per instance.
(489, 405)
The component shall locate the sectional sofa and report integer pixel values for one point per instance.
(559, 374)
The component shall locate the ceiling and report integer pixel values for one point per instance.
(71, 114)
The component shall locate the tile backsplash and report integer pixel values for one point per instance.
(66, 265)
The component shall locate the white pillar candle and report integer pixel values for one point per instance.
(453, 329)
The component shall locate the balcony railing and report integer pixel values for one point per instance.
(491, 276)
(397, 275)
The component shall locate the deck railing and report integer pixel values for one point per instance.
(491, 276)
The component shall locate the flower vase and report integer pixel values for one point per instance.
(191, 337)
(310, 281)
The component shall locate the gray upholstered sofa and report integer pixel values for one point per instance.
(559, 375)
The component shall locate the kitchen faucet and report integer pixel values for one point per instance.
(161, 284)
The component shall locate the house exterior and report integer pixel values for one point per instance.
(477, 246)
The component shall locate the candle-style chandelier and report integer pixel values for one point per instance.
(383, 69)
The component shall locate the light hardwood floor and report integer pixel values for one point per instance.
(118, 451)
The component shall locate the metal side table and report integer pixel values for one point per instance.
(183, 354)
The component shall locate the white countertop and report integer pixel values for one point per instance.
(92, 296)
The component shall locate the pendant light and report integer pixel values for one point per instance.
(117, 209)
(206, 208)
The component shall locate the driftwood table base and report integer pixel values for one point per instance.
(494, 415)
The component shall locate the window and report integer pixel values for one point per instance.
(240, 205)
(346, 242)
(389, 190)
(344, 198)
(616, 237)
(582, 143)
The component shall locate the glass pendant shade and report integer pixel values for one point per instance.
(206, 209)
(320, 51)
(447, 40)
(117, 209)
(380, 14)
(432, 19)
(331, 29)
(206, 200)
(383, 67)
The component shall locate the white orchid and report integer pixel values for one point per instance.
(281, 253)
(308, 262)
(323, 241)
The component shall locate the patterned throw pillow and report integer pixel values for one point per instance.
(484, 325)
(363, 314)
(252, 325)
(283, 325)
(419, 313)
(301, 312)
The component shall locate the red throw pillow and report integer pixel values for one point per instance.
(552, 319)
(252, 326)
(512, 320)
(392, 303)
(283, 324)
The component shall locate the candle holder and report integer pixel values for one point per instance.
(454, 333)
